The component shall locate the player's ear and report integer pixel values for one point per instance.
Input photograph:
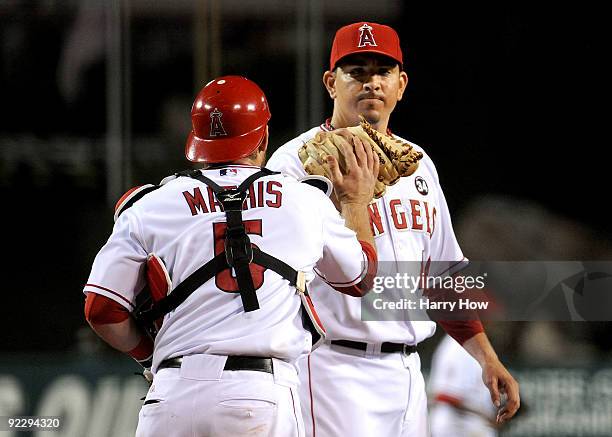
(263, 146)
(329, 80)
(403, 83)
(260, 152)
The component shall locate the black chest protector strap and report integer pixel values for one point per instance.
(239, 253)
(238, 248)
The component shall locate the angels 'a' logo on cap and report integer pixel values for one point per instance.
(366, 38)
(216, 126)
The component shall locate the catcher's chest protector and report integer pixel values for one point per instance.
(239, 254)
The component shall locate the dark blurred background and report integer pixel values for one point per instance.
(505, 101)
(96, 96)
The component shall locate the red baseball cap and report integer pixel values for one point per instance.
(365, 37)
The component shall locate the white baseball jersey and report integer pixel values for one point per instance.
(182, 223)
(411, 222)
(456, 374)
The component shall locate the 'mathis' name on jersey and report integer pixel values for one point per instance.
(260, 194)
(409, 215)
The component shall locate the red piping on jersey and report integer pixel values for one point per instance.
(345, 283)
(448, 399)
(340, 284)
(365, 285)
(314, 428)
(458, 404)
(125, 196)
(110, 291)
(361, 273)
(326, 126)
(313, 310)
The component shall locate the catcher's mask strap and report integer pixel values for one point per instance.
(320, 182)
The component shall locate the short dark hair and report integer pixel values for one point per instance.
(385, 58)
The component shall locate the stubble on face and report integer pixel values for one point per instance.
(367, 86)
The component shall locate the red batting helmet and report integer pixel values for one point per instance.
(229, 118)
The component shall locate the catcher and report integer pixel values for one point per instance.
(236, 315)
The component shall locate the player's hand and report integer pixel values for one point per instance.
(356, 185)
(503, 388)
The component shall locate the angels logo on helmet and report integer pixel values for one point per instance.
(216, 126)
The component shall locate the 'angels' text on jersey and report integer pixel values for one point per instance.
(410, 223)
(414, 215)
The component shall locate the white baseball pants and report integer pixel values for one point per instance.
(347, 392)
(201, 399)
(447, 421)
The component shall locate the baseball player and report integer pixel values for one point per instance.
(461, 404)
(227, 252)
(366, 379)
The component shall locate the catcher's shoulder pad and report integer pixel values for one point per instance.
(137, 193)
(320, 182)
(131, 196)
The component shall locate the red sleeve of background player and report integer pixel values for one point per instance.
(462, 330)
(365, 285)
(461, 325)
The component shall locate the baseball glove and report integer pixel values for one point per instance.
(397, 159)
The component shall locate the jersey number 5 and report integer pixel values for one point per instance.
(224, 279)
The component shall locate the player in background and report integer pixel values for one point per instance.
(460, 402)
(224, 359)
(366, 379)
